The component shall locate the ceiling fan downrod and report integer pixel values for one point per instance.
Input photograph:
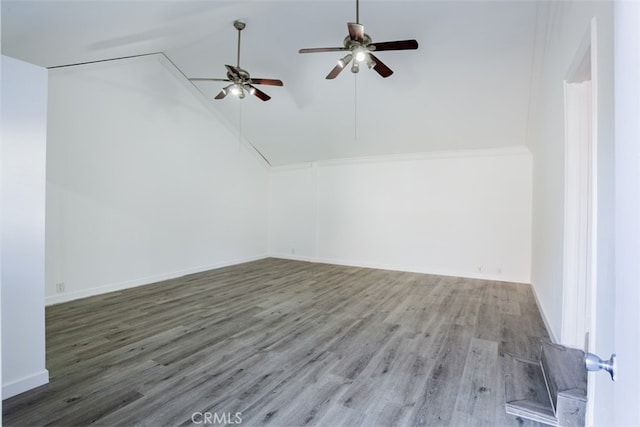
(239, 25)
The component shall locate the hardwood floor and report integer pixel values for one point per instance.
(285, 343)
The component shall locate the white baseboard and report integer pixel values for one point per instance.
(293, 257)
(84, 293)
(406, 268)
(547, 325)
(24, 384)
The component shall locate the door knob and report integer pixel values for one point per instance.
(594, 363)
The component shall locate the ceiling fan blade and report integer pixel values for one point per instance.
(380, 67)
(342, 64)
(356, 31)
(270, 82)
(260, 94)
(225, 91)
(198, 79)
(321, 49)
(396, 45)
(334, 73)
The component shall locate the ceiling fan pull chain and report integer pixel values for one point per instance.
(239, 126)
(355, 107)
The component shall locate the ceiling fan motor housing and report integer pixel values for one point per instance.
(243, 74)
(351, 44)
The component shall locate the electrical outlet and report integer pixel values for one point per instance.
(479, 269)
(60, 287)
(293, 251)
(499, 270)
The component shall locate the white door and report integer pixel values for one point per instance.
(610, 252)
(618, 304)
(626, 389)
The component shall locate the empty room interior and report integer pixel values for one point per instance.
(321, 213)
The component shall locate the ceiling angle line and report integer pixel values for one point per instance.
(259, 152)
(142, 55)
(119, 58)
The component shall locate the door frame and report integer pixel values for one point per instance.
(581, 202)
(580, 196)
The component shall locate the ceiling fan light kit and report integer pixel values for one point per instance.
(237, 91)
(360, 54)
(345, 60)
(240, 79)
(360, 47)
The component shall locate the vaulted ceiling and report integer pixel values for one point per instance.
(466, 87)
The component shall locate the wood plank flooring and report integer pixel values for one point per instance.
(284, 342)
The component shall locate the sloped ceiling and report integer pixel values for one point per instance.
(466, 87)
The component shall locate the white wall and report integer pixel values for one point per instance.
(459, 213)
(24, 123)
(142, 184)
(564, 26)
